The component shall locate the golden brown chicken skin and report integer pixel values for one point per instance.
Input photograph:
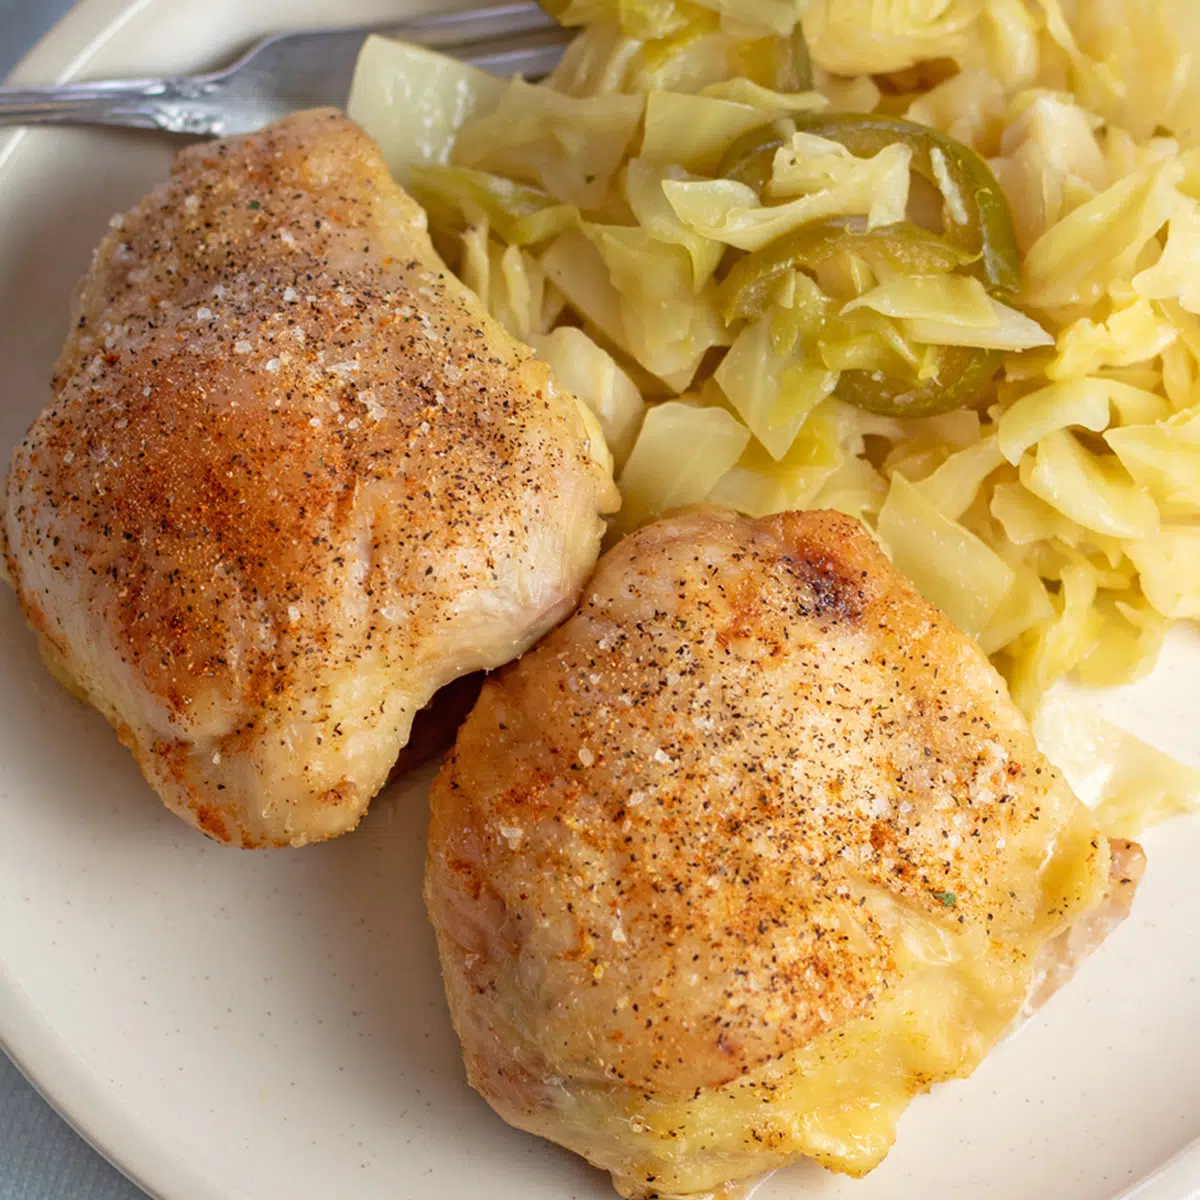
(744, 855)
(292, 480)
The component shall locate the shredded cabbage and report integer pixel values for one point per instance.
(648, 202)
(1100, 241)
(606, 216)
(1174, 276)
(954, 486)
(693, 132)
(952, 568)
(1050, 650)
(510, 283)
(1169, 569)
(758, 484)
(413, 101)
(772, 384)
(1163, 459)
(1130, 784)
(1094, 491)
(516, 212)
(569, 146)
(826, 179)
(1136, 333)
(703, 443)
(594, 376)
(951, 310)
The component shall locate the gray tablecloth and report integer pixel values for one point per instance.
(41, 1158)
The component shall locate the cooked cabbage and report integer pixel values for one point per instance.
(594, 376)
(648, 202)
(654, 276)
(1127, 644)
(853, 37)
(511, 285)
(702, 444)
(516, 212)
(954, 485)
(951, 310)
(1094, 491)
(1129, 783)
(1025, 606)
(605, 218)
(1135, 333)
(1169, 569)
(826, 178)
(758, 484)
(1081, 404)
(660, 18)
(951, 567)
(1050, 650)
(414, 101)
(772, 383)
(569, 146)
(1165, 460)
(1174, 276)
(693, 132)
(1101, 240)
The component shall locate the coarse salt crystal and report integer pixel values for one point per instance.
(272, 365)
(586, 756)
(241, 346)
(204, 314)
(512, 834)
(661, 756)
(293, 613)
(315, 422)
(290, 295)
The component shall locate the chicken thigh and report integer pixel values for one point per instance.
(292, 480)
(746, 854)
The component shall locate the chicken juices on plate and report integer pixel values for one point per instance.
(291, 482)
(747, 853)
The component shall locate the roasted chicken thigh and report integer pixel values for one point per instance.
(747, 853)
(291, 481)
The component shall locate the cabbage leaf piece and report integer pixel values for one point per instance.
(700, 443)
(1130, 784)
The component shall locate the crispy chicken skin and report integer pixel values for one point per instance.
(744, 855)
(291, 481)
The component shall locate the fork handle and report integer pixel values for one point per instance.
(136, 103)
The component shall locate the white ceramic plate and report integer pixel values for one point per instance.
(231, 1025)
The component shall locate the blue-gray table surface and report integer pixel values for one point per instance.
(41, 1157)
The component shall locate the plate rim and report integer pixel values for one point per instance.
(61, 54)
(72, 1091)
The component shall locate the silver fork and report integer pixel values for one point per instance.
(289, 71)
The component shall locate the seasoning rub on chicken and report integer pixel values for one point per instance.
(292, 480)
(746, 854)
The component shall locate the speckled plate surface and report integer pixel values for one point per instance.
(271, 1026)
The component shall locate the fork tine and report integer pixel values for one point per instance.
(288, 71)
